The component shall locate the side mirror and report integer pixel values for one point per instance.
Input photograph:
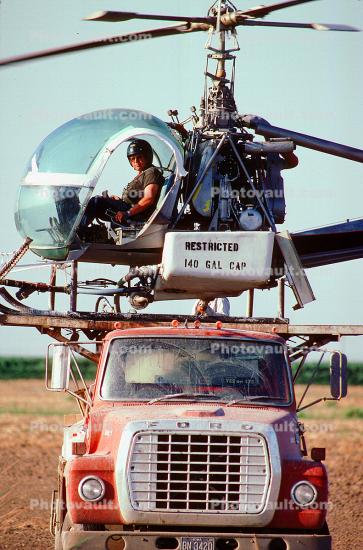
(338, 375)
(60, 368)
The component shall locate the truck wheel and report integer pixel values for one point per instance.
(68, 525)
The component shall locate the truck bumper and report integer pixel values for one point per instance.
(122, 540)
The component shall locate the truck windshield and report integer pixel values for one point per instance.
(228, 370)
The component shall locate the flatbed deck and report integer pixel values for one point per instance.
(106, 322)
(96, 325)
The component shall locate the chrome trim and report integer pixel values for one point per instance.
(201, 472)
(83, 480)
(292, 492)
(205, 515)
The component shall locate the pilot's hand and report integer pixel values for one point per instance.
(120, 216)
(115, 197)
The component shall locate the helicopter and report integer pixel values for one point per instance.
(223, 194)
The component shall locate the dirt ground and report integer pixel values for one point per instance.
(30, 439)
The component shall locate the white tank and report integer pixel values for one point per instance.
(197, 264)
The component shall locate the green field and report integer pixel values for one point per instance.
(12, 368)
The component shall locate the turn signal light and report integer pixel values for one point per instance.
(78, 448)
(175, 323)
(219, 325)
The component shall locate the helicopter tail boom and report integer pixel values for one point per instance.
(330, 244)
(265, 129)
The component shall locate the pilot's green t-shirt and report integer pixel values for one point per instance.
(134, 191)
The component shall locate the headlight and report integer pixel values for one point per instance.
(303, 493)
(91, 489)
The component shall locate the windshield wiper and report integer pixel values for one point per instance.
(182, 395)
(255, 398)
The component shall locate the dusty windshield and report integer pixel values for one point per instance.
(222, 370)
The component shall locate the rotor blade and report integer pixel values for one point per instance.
(229, 19)
(261, 11)
(315, 26)
(304, 140)
(118, 16)
(121, 39)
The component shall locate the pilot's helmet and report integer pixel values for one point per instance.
(140, 147)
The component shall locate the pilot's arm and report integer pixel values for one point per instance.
(150, 195)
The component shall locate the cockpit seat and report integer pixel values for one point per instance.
(109, 231)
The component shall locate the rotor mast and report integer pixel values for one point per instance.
(218, 105)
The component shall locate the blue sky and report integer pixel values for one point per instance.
(304, 80)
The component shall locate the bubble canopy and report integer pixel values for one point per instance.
(65, 167)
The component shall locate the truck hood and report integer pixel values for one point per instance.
(107, 423)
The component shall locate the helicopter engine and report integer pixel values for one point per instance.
(234, 188)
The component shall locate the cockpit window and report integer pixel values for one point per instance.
(65, 168)
(73, 147)
(215, 369)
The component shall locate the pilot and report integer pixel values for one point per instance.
(140, 196)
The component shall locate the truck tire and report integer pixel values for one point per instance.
(68, 525)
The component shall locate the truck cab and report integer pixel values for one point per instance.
(189, 440)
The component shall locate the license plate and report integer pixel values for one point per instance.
(197, 543)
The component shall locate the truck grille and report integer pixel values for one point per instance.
(193, 472)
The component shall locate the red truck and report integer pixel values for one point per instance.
(189, 439)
